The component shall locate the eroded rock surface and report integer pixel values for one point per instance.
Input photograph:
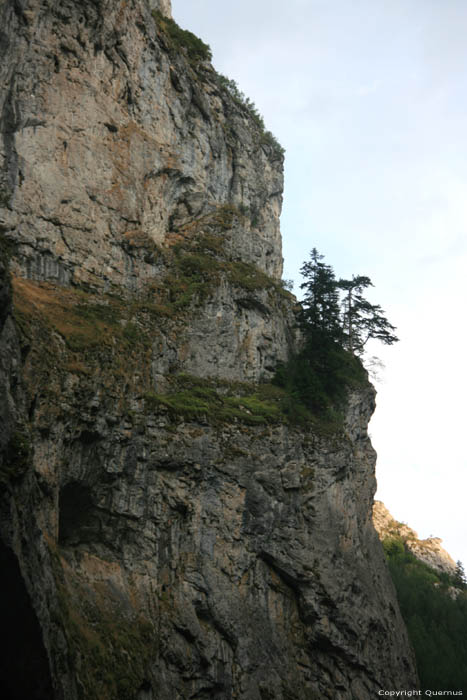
(133, 142)
(169, 532)
(118, 148)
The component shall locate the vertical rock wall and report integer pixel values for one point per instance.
(192, 544)
(112, 134)
(118, 148)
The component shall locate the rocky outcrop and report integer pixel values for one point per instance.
(164, 6)
(134, 142)
(118, 148)
(428, 551)
(168, 530)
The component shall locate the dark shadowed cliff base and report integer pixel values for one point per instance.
(166, 531)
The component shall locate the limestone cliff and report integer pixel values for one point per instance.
(428, 551)
(165, 530)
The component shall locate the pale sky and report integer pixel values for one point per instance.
(369, 99)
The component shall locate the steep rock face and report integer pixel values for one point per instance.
(428, 551)
(209, 559)
(109, 135)
(166, 536)
(118, 146)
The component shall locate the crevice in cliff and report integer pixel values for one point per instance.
(8, 127)
(24, 666)
(76, 521)
(287, 577)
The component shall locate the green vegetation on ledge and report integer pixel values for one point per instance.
(220, 401)
(196, 264)
(179, 39)
(85, 321)
(436, 622)
(194, 274)
(239, 97)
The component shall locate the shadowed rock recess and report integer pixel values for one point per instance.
(166, 532)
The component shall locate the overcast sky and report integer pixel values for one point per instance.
(369, 99)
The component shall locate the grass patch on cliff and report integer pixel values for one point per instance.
(195, 262)
(221, 401)
(435, 622)
(194, 270)
(71, 332)
(217, 222)
(217, 401)
(203, 271)
(249, 277)
(85, 321)
(199, 253)
(73, 314)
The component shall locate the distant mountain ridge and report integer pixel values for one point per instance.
(432, 596)
(429, 551)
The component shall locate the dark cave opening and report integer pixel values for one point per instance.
(77, 522)
(24, 666)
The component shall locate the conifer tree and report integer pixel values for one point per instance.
(352, 321)
(335, 333)
(361, 320)
(320, 306)
(459, 576)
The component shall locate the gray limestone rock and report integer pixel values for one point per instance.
(166, 533)
(164, 6)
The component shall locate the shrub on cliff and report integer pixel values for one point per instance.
(182, 40)
(242, 100)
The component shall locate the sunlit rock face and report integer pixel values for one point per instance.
(116, 150)
(429, 550)
(193, 544)
(109, 138)
(164, 6)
